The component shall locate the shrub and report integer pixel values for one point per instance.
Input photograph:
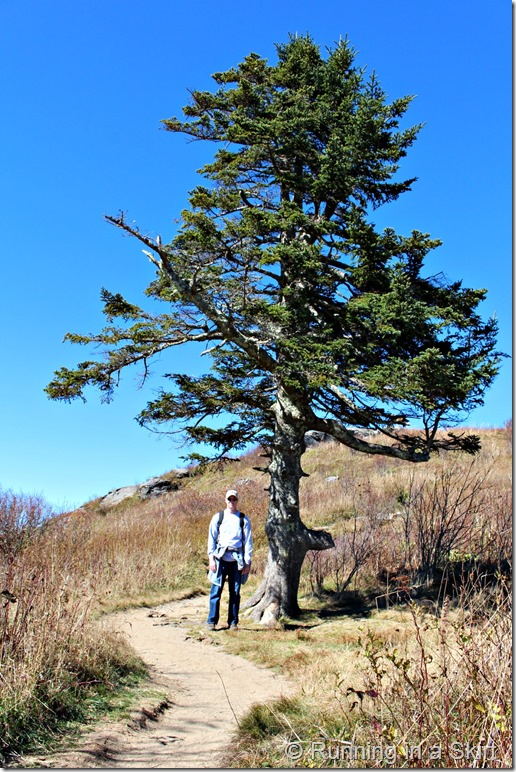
(448, 693)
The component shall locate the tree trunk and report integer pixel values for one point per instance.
(289, 539)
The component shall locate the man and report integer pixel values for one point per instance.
(230, 549)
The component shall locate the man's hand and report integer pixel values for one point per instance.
(212, 564)
(246, 568)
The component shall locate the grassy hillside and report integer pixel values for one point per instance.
(406, 631)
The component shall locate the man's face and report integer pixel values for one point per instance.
(232, 502)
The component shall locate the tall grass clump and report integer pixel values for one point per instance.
(54, 662)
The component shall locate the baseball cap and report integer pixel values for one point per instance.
(231, 493)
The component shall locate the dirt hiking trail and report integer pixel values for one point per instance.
(207, 691)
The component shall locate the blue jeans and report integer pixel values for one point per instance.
(229, 570)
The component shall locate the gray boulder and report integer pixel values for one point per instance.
(180, 474)
(116, 496)
(155, 487)
(313, 438)
(364, 433)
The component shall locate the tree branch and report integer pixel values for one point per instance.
(419, 452)
(200, 301)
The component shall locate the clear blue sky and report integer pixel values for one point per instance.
(84, 86)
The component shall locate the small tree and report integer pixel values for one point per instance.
(312, 318)
(21, 518)
(342, 563)
(442, 514)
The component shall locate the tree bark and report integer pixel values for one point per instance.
(289, 539)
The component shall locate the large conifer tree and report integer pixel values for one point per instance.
(313, 319)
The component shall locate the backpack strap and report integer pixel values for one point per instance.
(242, 516)
(219, 521)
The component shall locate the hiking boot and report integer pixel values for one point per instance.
(210, 626)
(234, 626)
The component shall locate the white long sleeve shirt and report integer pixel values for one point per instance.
(230, 536)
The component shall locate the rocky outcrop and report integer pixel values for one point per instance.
(156, 486)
